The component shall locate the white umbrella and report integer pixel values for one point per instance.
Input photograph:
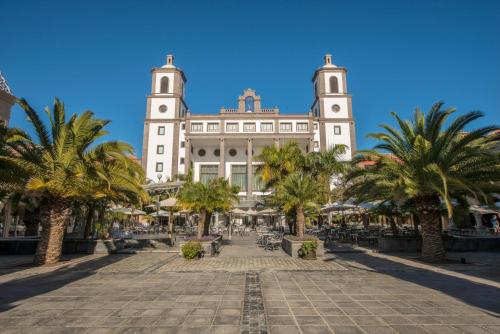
(128, 211)
(168, 203)
(251, 212)
(267, 211)
(237, 211)
(160, 213)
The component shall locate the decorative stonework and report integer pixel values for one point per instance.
(4, 86)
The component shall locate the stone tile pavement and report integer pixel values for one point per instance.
(160, 293)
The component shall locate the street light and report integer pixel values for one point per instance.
(159, 176)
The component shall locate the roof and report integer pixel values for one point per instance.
(3, 85)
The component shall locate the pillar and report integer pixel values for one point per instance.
(187, 156)
(222, 160)
(249, 169)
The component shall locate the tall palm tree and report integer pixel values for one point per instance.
(297, 192)
(217, 194)
(279, 162)
(426, 162)
(64, 164)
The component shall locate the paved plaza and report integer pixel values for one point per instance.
(249, 290)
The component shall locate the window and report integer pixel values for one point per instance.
(182, 161)
(258, 184)
(208, 172)
(334, 84)
(286, 127)
(335, 108)
(239, 176)
(159, 166)
(183, 144)
(202, 152)
(248, 127)
(217, 152)
(232, 127)
(160, 149)
(302, 127)
(163, 108)
(232, 152)
(213, 127)
(266, 127)
(196, 127)
(183, 126)
(336, 130)
(316, 126)
(249, 104)
(161, 130)
(164, 85)
(316, 144)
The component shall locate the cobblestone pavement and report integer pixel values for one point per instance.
(152, 293)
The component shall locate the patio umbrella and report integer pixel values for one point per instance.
(267, 211)
(237, 211)
(251, 212)
(161, 213)
(168, 203)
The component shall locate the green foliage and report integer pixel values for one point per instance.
(307, 247)
(191, 249)
(424, 158)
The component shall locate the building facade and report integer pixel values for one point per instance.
(7, 100)
(226, 144)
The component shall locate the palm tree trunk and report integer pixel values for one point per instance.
(300, 221)
(54, 216)
(394, 226)
(88, 222)
(428, 211)
(206, 227)
(171, 227)
(201, 223)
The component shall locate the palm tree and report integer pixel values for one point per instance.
(426, 162)
(297, 192)
(279, 162)
(65, 165)
(217, 194)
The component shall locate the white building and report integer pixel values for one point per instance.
(225, 144)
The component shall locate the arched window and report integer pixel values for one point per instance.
(334, 84)
(249, 104)
(164, 85)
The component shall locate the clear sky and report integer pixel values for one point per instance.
(97, 55)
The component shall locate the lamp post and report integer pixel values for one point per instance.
(159, 176)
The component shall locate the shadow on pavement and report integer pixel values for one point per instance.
(479, 295)
(37, 284)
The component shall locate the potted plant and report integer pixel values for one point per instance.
(191, 250)
(308, 250)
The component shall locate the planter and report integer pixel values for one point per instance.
(311, 255)
(211, 248)
(291, 247)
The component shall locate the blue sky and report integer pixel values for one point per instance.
(97, 55)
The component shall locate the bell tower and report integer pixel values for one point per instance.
(165, 113)
(332, 107)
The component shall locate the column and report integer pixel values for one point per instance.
(249, 169)
(187, 156)
(222, 160)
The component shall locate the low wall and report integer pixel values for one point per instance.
(28, 246)
(471, 244)
(207, 245)
(291, 247)
(451, 244)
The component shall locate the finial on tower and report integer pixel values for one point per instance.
(328, 59)
(170, 60)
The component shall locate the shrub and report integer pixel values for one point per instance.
(308, 246)
(191, 249)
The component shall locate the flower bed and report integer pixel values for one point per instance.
(291, 245)
(210, 243)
